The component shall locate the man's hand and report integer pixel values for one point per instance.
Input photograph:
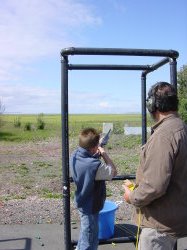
(128, 187)
(127, 193)
(128, 183)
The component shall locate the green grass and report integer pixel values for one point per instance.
(105, 117)
(48, 194)
(10, 133)
(36, 174)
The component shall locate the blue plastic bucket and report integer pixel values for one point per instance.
(107, 220)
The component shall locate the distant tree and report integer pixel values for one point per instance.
(2, 109)
(182, 92)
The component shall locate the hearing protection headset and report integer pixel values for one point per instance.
(162, 100)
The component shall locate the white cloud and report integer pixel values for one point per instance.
(89, 102)
(104, 104)
(24, 99)
(32, 29)
(119, 5)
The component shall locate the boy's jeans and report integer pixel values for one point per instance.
(88, 238)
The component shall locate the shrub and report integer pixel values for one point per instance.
(183, 109)
(17, 122)
(40, 122)
(118, 128)
(182, 92)
(28, 126)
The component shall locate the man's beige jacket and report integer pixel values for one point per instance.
(161, 179)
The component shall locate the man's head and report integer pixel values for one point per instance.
(89, 138)
(162, 97)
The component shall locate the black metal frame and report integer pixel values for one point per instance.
(169, 56)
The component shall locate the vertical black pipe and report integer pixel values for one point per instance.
(65, 153)
(173, 72)
(144, 115)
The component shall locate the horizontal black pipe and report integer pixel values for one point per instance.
(119, 52)
(112, 240)
(124, 177)
(156, 66)
(118, 177)
(118, 240)
(160, 63)
(107, 67)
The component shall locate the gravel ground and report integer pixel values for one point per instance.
(34, 209)
(38, 211)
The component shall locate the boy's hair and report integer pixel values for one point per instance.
(89, 138)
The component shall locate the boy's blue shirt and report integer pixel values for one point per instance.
(90, 194)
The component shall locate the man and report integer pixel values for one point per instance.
(160, 194)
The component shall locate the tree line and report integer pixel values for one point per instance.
(182, 92)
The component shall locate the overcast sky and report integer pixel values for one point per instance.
(32, 34)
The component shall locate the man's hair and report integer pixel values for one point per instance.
(162, 97)
(89, 138)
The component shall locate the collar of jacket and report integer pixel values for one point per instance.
(84, 151)
(169, 116)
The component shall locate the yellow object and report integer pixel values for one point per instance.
(138, 231)
(131, 187)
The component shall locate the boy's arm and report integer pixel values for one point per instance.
(108, 170)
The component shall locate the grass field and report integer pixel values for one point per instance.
(30, 161)
(9, 132)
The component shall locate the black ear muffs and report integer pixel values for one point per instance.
(151, 99)
(162, 103)
(150, 104)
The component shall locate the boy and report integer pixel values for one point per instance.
(89, 174)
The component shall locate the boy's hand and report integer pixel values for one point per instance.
(101, 150)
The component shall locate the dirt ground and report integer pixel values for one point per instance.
(30, 170)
